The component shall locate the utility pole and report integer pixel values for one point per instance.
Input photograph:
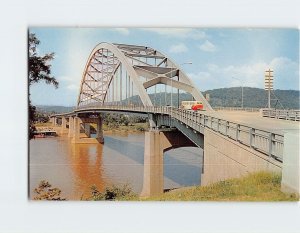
(269, 84)
(242, 90)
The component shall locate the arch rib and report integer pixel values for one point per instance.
(131, 72)
(136, 60)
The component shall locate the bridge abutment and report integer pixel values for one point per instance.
(290, 182)
(225, 158)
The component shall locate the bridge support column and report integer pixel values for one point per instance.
(52, 120)
(87, 129)
(76, 130)
(99, 135)
(71, 127)
(290, 182)
(63, 125)
(156, 143)
(153, 165)
(152, 121)
(84, 138)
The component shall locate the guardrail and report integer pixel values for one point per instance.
(266, 142)
(292, 115)
(263, 141)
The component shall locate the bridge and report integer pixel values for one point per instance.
(129, 79)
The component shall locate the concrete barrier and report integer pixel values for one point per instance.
(291, 163)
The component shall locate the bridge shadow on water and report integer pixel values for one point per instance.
(181, 172)
(133, 151)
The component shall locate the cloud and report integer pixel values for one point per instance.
(123, 31)
(204, 80)
(178, 48)
(68, 82)
(207, 46)
(286, 75)
(181, 33)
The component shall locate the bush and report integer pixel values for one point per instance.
(45, 192)
(111, 193)
(140, 128)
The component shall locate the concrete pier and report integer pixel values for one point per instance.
(99, 135)
(64, 128)
(85, 138)
(71, 127)
(156, 143)
(87, 129)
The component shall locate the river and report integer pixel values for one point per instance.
(74, 168)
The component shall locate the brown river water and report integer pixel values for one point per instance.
(74, 168)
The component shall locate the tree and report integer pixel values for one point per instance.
(45, 192)
(39, 69)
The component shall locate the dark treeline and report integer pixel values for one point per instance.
(253, 97)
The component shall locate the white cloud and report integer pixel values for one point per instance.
(123, 31)
(77, 52)
(286, 75)
(203, 80)
(181, 33)
(178, 48)
(207, 46)
(69, 82)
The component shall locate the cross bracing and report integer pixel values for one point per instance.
(114, 73)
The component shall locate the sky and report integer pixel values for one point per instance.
(219, 57)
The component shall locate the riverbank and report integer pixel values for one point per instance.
(260, 186)
(135, 127)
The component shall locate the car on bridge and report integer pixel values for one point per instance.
(192, 105)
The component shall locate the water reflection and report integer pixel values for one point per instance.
(86, 164)
(74, 168)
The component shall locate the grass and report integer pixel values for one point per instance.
(262, 186)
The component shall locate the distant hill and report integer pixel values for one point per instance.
(53, 109)
(223, 97)
(253, 97)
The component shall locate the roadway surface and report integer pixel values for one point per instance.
(254, 120)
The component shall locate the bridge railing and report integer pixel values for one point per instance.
(266, 142)
(261, 140)
(293, 115)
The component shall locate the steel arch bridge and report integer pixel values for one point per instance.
(117, 73)
(114, 73)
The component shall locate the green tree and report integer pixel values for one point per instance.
(39, 69)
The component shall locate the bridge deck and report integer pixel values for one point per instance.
(262, 134)
(254, 120)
